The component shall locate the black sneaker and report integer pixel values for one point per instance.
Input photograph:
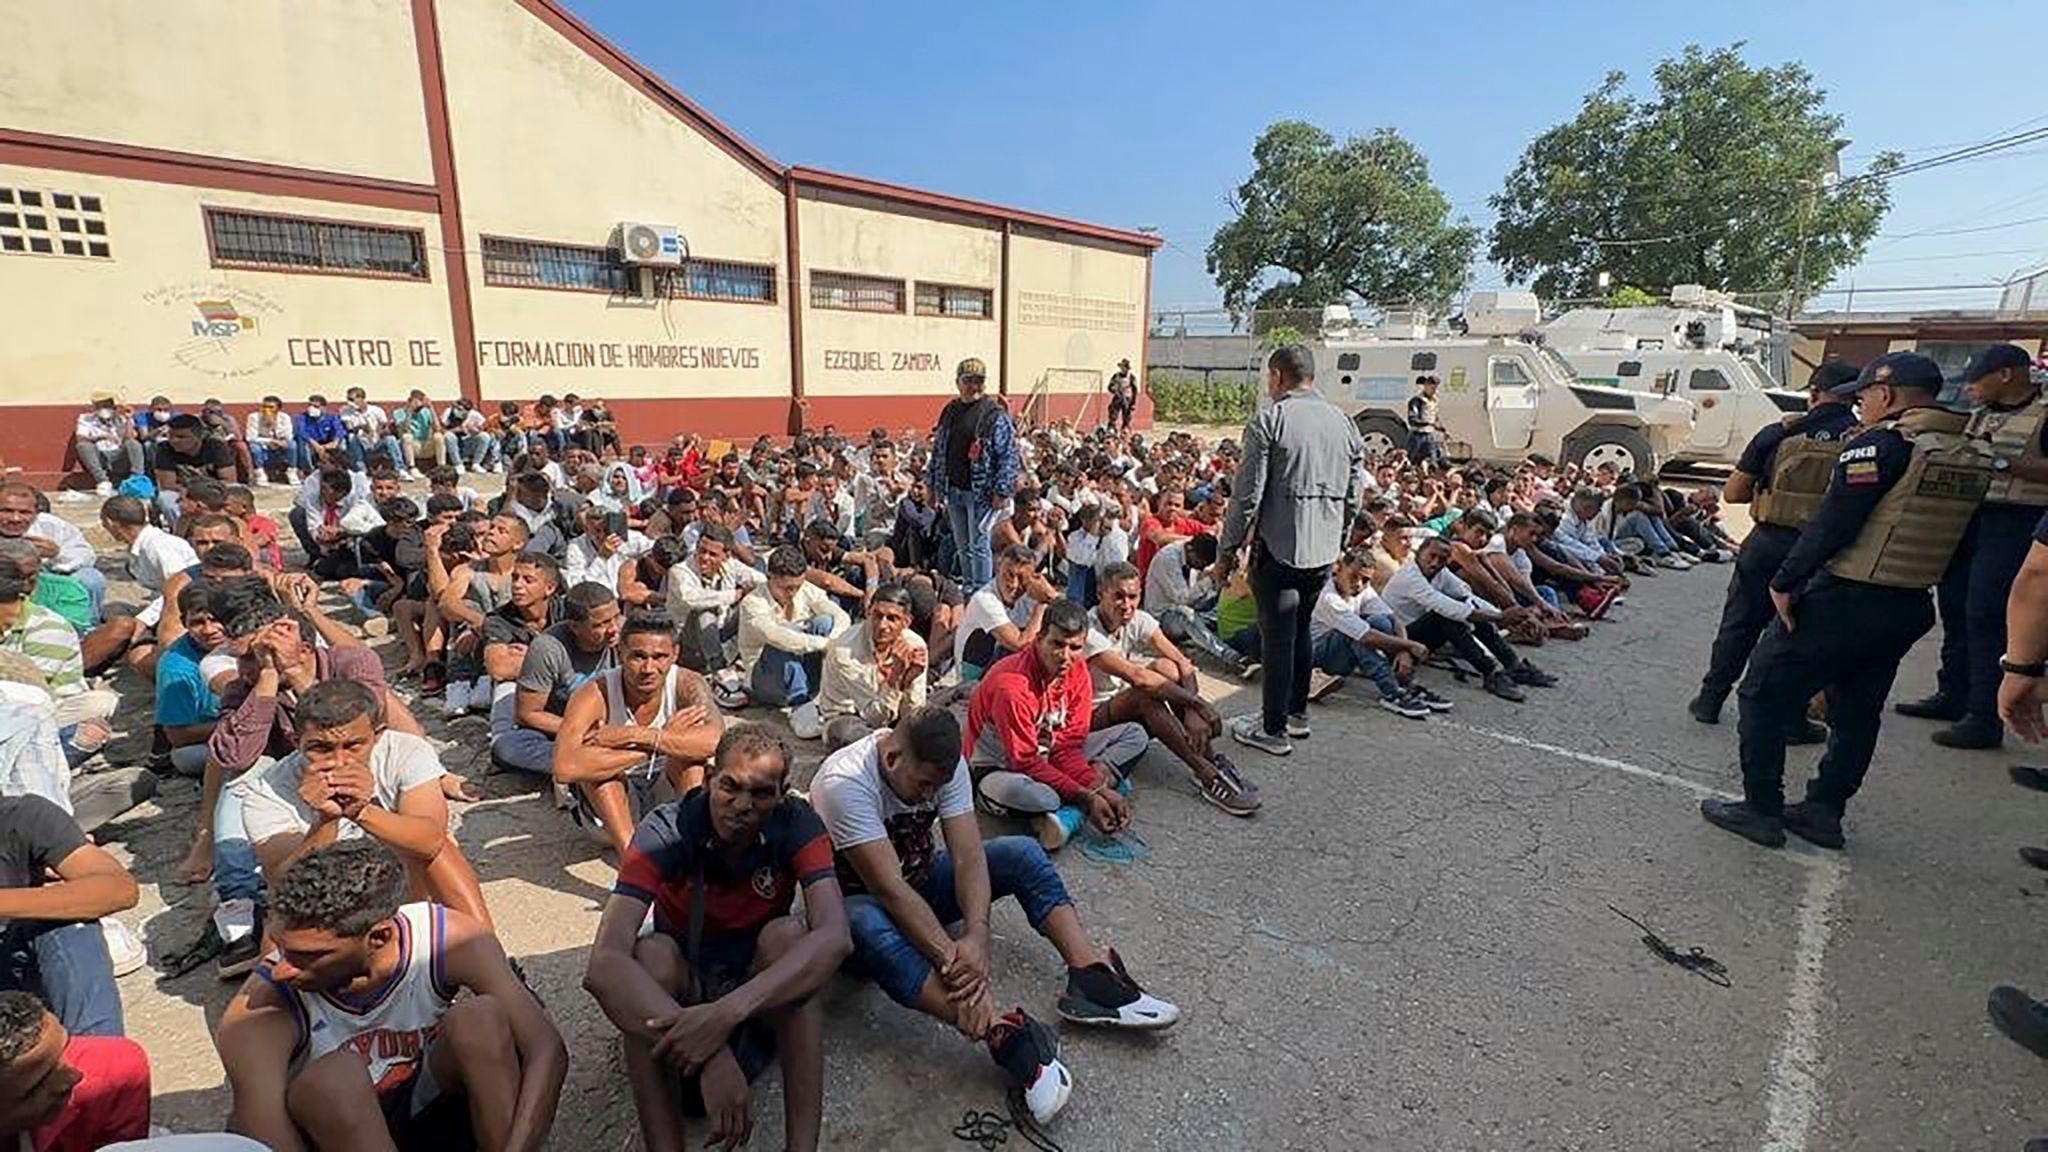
(1972, 732)
(1817, 824)
(1531, 675)
(1105, 994)
(1706, 707)
(1935, 707)
(2038, 857)
(1806, 732)
(2029, 777)
(2022, 1018)
(238, 959)
(1405, 705)
(1430, 700)
(1503, 685)
(1030, 1053)
(1738, 817)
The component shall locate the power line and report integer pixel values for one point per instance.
(1965, 231)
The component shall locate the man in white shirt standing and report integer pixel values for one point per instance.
(1437, 608)
(104, 439)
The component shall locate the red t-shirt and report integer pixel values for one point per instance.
(1182, 525)
(109, 1105)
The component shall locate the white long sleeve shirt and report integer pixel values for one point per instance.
(1348, 615)
(73, 552)
(1412, 596)
(689, 592)
(763, 624)
(584, 563)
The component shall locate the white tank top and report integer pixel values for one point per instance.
(395, 1028)
(618, 712)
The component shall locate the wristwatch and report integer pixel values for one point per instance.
(2033, 670)
(2000, 464)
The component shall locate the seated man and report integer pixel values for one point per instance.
(532, 604)
(605, 548)
(874, 672)
(1177, 595)
(704, 592)
(1353, 630)
(187, 704)
(187, 454)
(352, 777)
(559, 660)
(1507, 555)
(844, 575)
(153, 556)
(49, 642)
(920, 913)
(1140, 676)
(54, 886)
(1438, 609)
(1031, 741)
(105, 442)
(785, 625)
(62, 548)
(350, 1034)
(725, 983)
(637, 733)
(64, 1092)
(1004, 616)
(331, 504)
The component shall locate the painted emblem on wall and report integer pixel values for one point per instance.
(217, 329)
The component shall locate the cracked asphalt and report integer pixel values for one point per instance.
(1410, 948)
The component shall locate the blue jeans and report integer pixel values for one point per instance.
(302, 456)
(1081, 585)
(236, 875)
(76, 979)
(262, 458)
(782, 679)
(1638, 526)
(972, 520)
(1340, 655)
(1017, 866)
(359, 452)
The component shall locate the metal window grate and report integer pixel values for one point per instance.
(295, 244)
(723, 280)
(36, 222)
(856, 293)
(953, 300)
(569, 267)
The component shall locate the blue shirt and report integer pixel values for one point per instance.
(182, 695)
(326, 430)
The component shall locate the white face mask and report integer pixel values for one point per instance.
(106, 413)
(313, 413)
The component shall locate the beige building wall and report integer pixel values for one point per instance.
(1076, 307)
(853, 353)
(551, 145)
(134, 323)
(324, 84)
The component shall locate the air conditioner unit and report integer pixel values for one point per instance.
(654, 244)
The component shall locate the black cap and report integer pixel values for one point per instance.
(1831, 375)
(1897, 369)
(1994, 358)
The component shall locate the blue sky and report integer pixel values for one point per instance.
(1143, 113)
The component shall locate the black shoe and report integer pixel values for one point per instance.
(1807, 732)
(1503, 686)
(1706, 707)
(2022, 1018)
(2037, 1144)
(1534, 677)
(1105, 994)
(2038, 857)
(1817, 824)
(2029, 777)
(1738, 817)
(1935, 707)
(1972, 732)
(239, 958)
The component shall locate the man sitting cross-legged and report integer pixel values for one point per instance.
(352, 777)
(349, 1035)
(1031, 741)
(1141, 676)
(920, 913)
(724, 983)
(1353, 630)
(637, 733)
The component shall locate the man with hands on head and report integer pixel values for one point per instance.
(725, 982)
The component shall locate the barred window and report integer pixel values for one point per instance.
(953, 300)
(38, 222)
(571, 267)
(724, 280)
(297, 244)
(856, 293)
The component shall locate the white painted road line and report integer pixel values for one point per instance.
(1793, 1102)
(1693, 786)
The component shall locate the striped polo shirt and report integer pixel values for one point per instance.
(49, 642)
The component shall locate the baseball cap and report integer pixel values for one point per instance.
(1898, 369)
(1994, 358)
(971, 369)
(1831, 375)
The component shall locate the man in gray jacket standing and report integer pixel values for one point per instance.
(1297, 483)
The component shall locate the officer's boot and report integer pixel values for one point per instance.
(1935, 707)
(2022, 1018)
(1706, 707)
(1972, 731)
(1806, 731)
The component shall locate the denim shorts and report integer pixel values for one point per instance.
(1017, 867)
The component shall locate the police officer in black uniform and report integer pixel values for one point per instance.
(1852, 598)
(2011, 419)
(1783, 490)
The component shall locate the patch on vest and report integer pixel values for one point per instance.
(1867, 452)
(1954, 483)
(1860, 472)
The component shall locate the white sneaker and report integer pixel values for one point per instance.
(291, 477)
(806, 721)
(122, 947)
(103, 488)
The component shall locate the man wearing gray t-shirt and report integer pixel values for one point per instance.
(558, 661)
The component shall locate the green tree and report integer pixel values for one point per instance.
(1356, 220)
(1629, 296)
(1717, 180)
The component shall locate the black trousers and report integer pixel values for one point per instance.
(1477, 642)
(1747, 611)
(1848, 642)
(1952, 598)
(1285, 597)
(2004, 533)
